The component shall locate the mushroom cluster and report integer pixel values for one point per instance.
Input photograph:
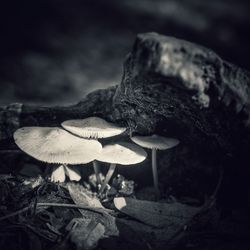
(93, 127)
(77, 143)
(122, 153)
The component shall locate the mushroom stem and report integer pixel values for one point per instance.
(108, 177)
(155, 173)
(97, 172)
(72, 173)
(58, 174)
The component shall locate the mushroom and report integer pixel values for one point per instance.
(155, 142)
(93, 127)
(123, 153)
(55, 145)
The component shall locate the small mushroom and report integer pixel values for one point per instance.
(155, 142)
(93, 127)
(123, 153)
(55, 145)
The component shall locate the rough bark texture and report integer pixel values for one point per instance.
(169, 87)
(187, 88)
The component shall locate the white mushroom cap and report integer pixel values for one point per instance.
(92, 127)
(55, 145)
(122, 153)
(155, 142)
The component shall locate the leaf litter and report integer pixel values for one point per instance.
(71, 216)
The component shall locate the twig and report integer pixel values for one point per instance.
(218, 183)
(207, 205)
(15, 213)
(212, 198)
(102, 211)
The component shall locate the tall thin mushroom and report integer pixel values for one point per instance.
(93, 127)
(123, 153)
(155, 142)
(55, 145)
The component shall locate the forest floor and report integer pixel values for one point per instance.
(36, 213)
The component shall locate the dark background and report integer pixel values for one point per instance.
(56, 51)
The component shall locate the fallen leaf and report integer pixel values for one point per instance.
(86, 233)
(156, 214)
(82, 196)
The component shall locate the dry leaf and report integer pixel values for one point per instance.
(156, 214)
(86, 233)
(82, 196)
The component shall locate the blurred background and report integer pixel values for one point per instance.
(56, 51)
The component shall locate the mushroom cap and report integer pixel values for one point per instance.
(56, 145)
(123, 153)
(155, 142)
(92, 127)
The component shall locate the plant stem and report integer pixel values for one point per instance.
(97, 172)
(155, 173)
(108, 177)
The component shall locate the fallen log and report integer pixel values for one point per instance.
(169, 87)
